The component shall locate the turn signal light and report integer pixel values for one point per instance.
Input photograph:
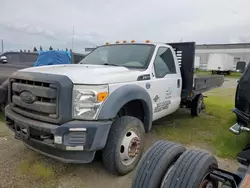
(102, 96)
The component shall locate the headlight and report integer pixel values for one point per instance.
(87, 101)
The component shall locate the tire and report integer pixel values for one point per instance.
(155, 163)
(125, 132)
(191, 171)
(197, 105)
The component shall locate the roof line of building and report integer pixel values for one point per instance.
(223, 44)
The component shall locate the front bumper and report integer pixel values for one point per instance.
(71, 142)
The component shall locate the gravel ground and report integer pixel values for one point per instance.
(21, 167)
(230, 83)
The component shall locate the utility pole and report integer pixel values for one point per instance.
(73, 34)
(2, 45)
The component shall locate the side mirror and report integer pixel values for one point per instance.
(3, 59)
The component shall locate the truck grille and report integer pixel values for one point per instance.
(34, 99)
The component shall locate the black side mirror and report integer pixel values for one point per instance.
(3, 59)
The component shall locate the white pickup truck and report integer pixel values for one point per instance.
(105, 103)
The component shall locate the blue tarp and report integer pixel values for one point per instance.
(53, 57)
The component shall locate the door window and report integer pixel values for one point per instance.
(164, 63)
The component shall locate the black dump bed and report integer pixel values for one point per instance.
(185, 52)
(205, 83)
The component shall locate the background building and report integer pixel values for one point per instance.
(240, 52)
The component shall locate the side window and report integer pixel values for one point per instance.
(164, 63)
(13, 58)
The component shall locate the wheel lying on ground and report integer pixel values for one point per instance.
(192, 170)
(197, 105)
(156, 163)
(124, 146)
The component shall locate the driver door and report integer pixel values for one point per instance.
(166, 83)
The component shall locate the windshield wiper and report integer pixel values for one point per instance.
(111, 64)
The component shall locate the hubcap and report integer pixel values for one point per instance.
(130, 147)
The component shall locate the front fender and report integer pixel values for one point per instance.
(122, 96)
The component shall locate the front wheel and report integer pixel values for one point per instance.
(124, 146)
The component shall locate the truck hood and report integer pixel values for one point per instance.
(89, 74)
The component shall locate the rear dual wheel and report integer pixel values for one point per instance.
(197, 105)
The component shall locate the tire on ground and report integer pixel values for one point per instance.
(121, 129)
(196, 105)
(192, 171)
(155, 163)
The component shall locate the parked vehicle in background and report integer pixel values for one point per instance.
(220, 63)
(106, 102)
(242, 103)
(77, 57)
(197, 63)
(9, 63)
(171, 165)
(240, 66)
(13, 61)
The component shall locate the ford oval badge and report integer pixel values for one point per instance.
(27, 97)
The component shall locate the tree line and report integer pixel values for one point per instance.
(41, 49)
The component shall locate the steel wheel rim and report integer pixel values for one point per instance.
(200, 105)
(166, 175)
(206, 183)
(130, 147)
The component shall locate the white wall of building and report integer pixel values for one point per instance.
(239, 54)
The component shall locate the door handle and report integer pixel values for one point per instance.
(178, 83)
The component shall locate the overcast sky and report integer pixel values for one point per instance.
(28, 23)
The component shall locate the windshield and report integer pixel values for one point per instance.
(127, 55)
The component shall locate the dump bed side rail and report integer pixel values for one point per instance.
(206, 83)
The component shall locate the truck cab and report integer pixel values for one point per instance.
(152, 67)
(105, 103)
